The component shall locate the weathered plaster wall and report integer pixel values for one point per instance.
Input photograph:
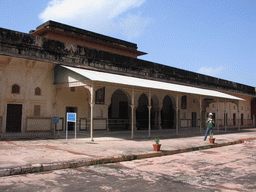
(28, 75)
(80, 98)
(39, 48)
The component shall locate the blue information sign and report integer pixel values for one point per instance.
(56, 119)
(71, 117)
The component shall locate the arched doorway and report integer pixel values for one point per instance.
(167, 113)
(118, 112)
(142, 113)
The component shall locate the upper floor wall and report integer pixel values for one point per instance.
(66, 33)
(43, 49)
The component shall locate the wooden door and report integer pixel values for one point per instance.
(13, 120)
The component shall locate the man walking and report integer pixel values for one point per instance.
(209, 123)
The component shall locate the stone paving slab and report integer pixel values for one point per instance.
(28, 156)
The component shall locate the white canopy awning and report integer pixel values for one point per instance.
(139, 82)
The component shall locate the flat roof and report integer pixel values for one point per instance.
(82, 32)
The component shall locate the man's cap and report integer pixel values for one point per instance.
(210, 114)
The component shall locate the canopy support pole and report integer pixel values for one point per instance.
(225, 115)
(92, 109)
(217, 118)
(132, 107)
(201, 119)
(149, 114)
(177, 114)
(238, 114)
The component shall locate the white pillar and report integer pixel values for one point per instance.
(177, 114)
(201, 118)
(149, 121)
(149, 114)
(217, 117)
(238, 114)
(92, 107)
(225, 116)
(132, 106)
(132, 127)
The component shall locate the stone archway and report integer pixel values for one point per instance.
(167, 114)
(118, 112)
(142, 113)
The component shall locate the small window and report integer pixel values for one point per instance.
(73, 89)
(37, 91)
(15, 88)
(184, 102)
(37, 110)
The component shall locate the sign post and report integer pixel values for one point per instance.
(56, 120)
(71, 117)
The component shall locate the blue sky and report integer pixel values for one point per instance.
(215, 38)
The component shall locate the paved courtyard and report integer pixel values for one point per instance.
(26, 156)
(226, 169)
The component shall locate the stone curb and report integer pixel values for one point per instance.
(80, 163)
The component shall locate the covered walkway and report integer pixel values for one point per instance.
(94, 80)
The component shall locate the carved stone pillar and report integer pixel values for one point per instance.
(92, 108)
(149, 113)
(132, 114)
(238, 114)
(225, 115)
(132, 108)
(149, 121)
(177, 114)
(201, 119)
(217, 117)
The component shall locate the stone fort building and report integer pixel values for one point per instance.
(57, 69)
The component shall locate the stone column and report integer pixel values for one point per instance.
(132, 127)
(238, 114)
(92, 107)
(149, 113)
(177, 114)
(225, 116)
(149, 121)
(132, 108)
(217, 117)
(201, 119)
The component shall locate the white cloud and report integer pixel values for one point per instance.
(210, 70)
(103, 16)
